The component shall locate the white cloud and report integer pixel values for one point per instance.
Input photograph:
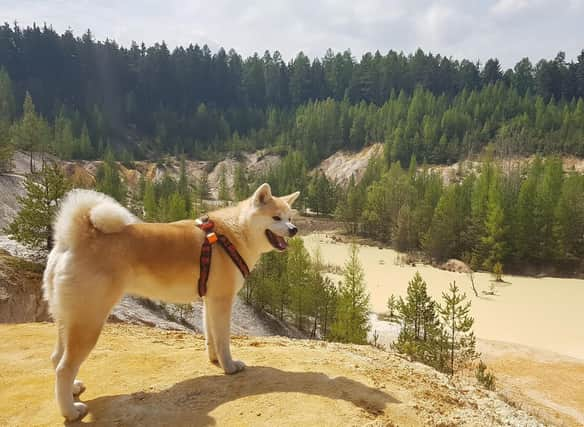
(507, 7)
(443, 25)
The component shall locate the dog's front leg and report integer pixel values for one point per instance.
(218, 314)
(209, 341)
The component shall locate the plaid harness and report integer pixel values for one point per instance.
(208, 226)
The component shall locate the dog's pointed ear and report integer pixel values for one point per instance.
(262, 195)
(291, 198)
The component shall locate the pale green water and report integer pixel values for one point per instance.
(546, 313)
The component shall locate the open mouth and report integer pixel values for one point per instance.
(276, 241)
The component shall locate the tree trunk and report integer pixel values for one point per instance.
(313, 333)
(50, 240)
(473, 284)
(452, 343)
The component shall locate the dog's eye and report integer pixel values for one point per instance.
(276, 218)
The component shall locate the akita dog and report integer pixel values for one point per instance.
(102, 251)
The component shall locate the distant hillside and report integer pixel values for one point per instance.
(83, 172)
(149, 100)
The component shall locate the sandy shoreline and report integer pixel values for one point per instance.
(543, 313)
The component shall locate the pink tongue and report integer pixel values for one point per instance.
(281, 242)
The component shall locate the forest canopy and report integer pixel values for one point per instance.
(149, 100)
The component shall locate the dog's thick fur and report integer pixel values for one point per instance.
(102, 251)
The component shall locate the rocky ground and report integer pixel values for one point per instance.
(343, 164)
(21, 297)
(144, 376)
(189, 318)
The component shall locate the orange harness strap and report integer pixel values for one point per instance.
(207, 226)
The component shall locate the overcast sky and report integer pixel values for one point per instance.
(474, 29)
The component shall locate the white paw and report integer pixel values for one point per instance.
(234, 367)
(78, 411)
(78, 387)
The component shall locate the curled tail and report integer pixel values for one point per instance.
(83, 211)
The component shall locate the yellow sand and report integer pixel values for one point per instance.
(546, 313)
(139, 376)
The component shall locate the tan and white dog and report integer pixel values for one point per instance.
(102, 252)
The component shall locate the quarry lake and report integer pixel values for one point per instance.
(543, 313)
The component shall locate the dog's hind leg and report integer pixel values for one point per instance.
(80, 331)
(78, 386)
(209, 341)
(59, 347)
(218, 313)
(80, 338)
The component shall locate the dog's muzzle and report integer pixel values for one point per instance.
(292, 230)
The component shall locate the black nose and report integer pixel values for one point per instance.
(292, 230)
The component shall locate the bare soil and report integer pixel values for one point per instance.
(147, 377)
(543, 383)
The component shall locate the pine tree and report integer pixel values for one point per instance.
(325, 299)
(349, 211)
(485, 378)
(441, 240)
(7, 101)
(421, 334)
(352, 317)
(7, 110)
(6, 147)
(527, 215)
(493, 242)
(498, 272)
(298, 277)
(312, 198)
(108, 178)
(223, 193)
(485, 201)
(150, 206)
(31, 133)
(203, 187)
(240, 183)
(85, 148)
(321, 194)
(547, 200)
(569, 221)
(404, 236)
(184, 188)
(64, 142)
(392, 305)
(33, 224)
(457, 324)
(176, 209)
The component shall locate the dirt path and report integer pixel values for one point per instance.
(142, 376)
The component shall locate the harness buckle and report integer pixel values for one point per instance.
(204, 223)
(212, 237)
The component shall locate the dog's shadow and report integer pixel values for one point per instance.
(190, 402)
